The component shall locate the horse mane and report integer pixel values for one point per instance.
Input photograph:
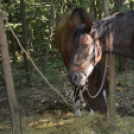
(62, 20)
(82, 13)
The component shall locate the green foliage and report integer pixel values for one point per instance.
(125, 9)
(37, 20)
(107, 132)
(120, 83)
(2, 87)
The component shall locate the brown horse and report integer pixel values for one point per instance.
(65, 26)
(113, 34)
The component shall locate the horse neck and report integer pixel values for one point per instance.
(114, 37)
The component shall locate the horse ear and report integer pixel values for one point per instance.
(88, 24)
(71, 24)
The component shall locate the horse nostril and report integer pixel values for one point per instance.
(75, 78)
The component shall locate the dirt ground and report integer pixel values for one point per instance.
(32, 101)
(37, 101)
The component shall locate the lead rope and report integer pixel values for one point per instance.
(75, 106)
(101, 83)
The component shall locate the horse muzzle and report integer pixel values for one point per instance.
(74, 78)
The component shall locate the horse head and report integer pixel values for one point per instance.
(86, 53)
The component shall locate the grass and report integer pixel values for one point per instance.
(62, 123)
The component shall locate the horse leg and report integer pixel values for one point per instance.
(86, 100)
(77, 111)
(105, 99)
(105, 95)
(90, 112)
(77, 101)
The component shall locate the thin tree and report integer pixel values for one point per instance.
(13, 104)
(14, 49)
(48, 41)
(25, 45)
(112, 81)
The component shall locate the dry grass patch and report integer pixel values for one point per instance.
(51, 123)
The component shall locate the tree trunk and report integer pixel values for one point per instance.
(47, 45)
(100, 11)
(13, 104)
(106, 11)
(25, 45)
(13, 43)
(14, 46)
(112, 116)
(117, 5)
(95, 12)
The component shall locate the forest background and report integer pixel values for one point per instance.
(34, 22)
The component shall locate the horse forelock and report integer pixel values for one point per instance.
(78, 32)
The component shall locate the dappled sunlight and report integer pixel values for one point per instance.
(53, 123)
(69, 124)
(53, 120)
(5, 127)
(48, 123)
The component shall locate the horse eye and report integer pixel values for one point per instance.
(85, 46)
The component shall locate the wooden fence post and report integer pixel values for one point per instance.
(13, 104)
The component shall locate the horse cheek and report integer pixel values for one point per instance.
(97, 59)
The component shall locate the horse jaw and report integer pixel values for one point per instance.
(86, 74)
